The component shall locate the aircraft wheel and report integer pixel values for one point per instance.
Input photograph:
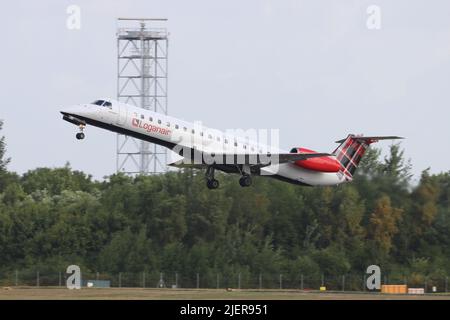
(80, 136)
(212, 184)
(245, 181)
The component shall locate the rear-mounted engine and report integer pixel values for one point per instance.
(322, 164)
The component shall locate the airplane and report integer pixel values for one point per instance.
(205, 148)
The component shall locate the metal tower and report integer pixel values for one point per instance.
(142, 67)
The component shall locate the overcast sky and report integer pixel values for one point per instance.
(311, 68)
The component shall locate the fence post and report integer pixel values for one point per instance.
(239, 280)
(198, 280)
(59, 279)
(260, 281)
(37, 279)
(281, 281)
(364, 282)
(120, 279)
(446, 284)
(161, 283)
(16, 278)
(343, 282)
(301, 281)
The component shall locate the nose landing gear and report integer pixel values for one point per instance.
(80, 135)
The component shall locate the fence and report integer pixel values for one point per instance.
(348, 282)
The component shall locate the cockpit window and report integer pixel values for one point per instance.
(99, 102)
(102, 103)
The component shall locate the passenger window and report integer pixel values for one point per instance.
(201, 133)
(142, 116)
(151, 119)
(235, 144)
(107, 104)
(159, 121)
(209, 136)
(176, 126)
(184, 128)
(168, 124)
(226, 140)
(193, 131)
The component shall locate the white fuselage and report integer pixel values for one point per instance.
(175, 133)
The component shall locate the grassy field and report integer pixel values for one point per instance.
(47, 293)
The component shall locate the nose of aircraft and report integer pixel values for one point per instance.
(78, 110)
(76, 114)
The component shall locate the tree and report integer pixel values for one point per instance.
(286, 207)
(384, 224)
(332, 261)
(50, 218)
(320, 207)
(397, 174)
(3, 160)
(128, 251)
(369, 166)
(6, 177)
(56, 180)
(425, 198)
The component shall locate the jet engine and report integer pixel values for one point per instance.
(322, 164)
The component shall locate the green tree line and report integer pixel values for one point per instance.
(53, 217)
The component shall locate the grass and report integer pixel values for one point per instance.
(54, 293)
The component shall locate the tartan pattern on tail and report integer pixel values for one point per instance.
(349, 154)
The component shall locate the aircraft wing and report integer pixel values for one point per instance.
(292, 157)
(260, 160)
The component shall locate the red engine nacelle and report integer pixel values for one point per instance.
(322, 164)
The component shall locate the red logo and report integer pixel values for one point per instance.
(149, 127)
(135, 122)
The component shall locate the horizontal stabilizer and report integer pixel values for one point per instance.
(371, 139)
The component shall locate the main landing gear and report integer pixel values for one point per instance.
(80, 135)
(211, 183)
(245, 180)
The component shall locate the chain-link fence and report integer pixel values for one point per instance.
(348, 282)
